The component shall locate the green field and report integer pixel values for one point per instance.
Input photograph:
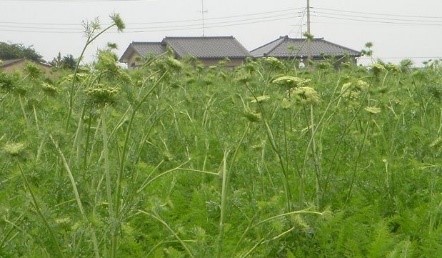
(179, 160)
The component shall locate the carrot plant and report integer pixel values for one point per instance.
(175, 159)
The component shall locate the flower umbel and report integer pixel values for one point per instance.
(260, 99)
(291, 81)
(373, 110)
(352, 90)
(49, 89)
(252, 116)
(14, 148)
(305, 95)
(102, 94)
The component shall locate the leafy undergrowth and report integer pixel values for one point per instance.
(179, 160)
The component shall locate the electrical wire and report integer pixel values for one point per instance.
(379, 14)
(275, 13)
(299, 25)
(215, 22)
(229, 21)
(383, 18)
(386, 20)
(382, 21)
(68, 1)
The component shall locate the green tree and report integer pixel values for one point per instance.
(65, 62)
(13, 51)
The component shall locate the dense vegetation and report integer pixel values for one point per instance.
(180, 160)
(15, 51)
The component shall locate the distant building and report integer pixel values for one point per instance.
(209, 50)
(300, 49)
(18, 65)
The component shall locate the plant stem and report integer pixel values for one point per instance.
(353, 176)
(77, 195)
(89, 41)
(315, 157)
(126, 143)
(271, 138)
(108, 177)
(37, 208)
(223, 203)
(157, 218)
(23, 110)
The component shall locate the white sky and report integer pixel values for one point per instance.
(398, 28)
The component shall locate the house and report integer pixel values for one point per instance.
(18, 65)
(209, 50)
(136, 50)
(301, 49)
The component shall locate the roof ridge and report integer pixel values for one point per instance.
(243, 47)
(337, 45)
(281, 39)
(198, 37)
(328, 42)
(271, 42)
(146, 42)
(9, 62)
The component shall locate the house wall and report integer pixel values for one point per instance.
(337, 62)
(134, 61)
(232, 63)
(20, 67)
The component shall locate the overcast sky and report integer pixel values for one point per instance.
(399, 29)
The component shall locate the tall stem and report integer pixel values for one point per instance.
(316, 160)
(107, 174)
(77, 195)
(223, 204)
(38, 210)
(91, 38)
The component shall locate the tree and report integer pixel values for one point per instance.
(13, 51)
(65, 62)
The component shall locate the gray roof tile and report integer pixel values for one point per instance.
(5, 63)
(146, 48)
(207, 47)
(296, 47)
(267, 48)
(143, 49)
(9, 62)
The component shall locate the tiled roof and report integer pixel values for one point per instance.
(207, 47)
(267, 48)
(143, 49)
(5, 63)
(296, 47)
(146, 48)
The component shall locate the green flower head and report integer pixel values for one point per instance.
(102, 94)
(14, 148)
(305, 95)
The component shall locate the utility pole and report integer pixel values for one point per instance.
(203, 17)
(309, 38)
(308, 16)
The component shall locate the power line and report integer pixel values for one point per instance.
(380, 14)
(65, 1)
(215, 22)
(377, 18)
(383, 21)
(231, 20)
(401, 57)
(383, 18)
(274, 12)
(212, 25)
(299, 26)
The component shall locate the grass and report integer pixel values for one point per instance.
(178, 160)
